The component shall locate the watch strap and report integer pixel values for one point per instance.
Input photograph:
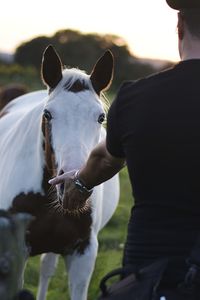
(80, 184)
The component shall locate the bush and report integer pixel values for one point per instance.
(28, 76)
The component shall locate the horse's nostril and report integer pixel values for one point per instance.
(62, 188)
(61, 172)
(61, 185)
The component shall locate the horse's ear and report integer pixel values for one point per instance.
(102, 73)
(51, 69)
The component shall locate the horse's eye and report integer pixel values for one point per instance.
(47, 115)
(101, 118)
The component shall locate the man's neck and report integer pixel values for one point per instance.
(191, 55)
(190, 49)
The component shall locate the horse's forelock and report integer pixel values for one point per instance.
(75, 80)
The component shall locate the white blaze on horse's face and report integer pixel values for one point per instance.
(74, 110)
(76, 113)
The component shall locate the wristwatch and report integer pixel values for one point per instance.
(81, 186)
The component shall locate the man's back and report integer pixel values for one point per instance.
(157, 121)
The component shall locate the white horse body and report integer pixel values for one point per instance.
(74, 133)
(22, 158)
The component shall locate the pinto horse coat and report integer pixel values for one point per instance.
(46, 133)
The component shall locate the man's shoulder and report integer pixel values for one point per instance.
(149, 82)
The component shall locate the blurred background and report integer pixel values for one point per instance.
(142, 36)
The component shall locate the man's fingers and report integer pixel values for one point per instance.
(57, 180)
(61, 178)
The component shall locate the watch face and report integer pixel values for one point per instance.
(78, 184)
(81, 187)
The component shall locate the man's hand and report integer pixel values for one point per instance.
(100, 166)
(73, 199)
(61, 178)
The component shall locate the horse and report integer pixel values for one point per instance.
(11, 91)
(49, 132)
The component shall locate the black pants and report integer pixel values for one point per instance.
(147, 284)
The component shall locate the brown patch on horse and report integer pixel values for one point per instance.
(48, 150)
(50, 231)
(77, 86)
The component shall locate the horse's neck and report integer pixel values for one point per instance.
(22, 154)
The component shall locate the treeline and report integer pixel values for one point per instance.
(76, 50)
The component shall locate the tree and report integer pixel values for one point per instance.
(30, 53)
(82, 50)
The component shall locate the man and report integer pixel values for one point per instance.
(154, 125)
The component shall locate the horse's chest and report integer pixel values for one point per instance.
(53, 232)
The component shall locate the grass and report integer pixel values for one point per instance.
(111, 242)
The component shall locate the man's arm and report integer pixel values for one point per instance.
(100, 166)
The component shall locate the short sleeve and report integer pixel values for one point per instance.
(113, 141)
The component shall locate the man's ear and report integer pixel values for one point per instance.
(180, 26)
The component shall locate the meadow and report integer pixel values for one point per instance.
(111, 243)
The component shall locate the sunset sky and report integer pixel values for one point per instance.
(148, 26)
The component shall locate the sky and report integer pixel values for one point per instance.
(148, 26)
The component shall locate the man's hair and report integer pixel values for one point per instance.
(192, 20)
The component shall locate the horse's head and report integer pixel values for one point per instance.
(73, 114)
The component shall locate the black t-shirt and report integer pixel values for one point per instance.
(155, 124)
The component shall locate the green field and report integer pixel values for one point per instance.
(111, 240)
